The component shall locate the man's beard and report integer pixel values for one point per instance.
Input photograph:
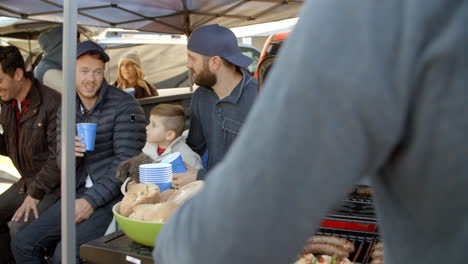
(205, 78)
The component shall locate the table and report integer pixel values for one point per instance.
(115, 248)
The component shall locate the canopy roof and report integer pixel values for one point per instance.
(30, 29)
(165, 16)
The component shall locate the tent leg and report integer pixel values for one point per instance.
(68, 133)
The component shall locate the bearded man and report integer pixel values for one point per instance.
(223, 99)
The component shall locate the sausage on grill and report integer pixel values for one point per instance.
(326, 249)
(379, 246)
(338, 241)
(378, 253)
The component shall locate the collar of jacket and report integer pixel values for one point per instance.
(154, 154)
(237, 92)
(168, 150)
(102, 92)
(33, 95)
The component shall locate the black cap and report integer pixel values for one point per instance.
(87, 46)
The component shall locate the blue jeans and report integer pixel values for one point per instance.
(43, 235)
(10, 201)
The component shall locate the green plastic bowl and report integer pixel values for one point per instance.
(139, 231)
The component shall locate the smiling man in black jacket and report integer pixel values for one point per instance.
(120, 135)
(28, 118)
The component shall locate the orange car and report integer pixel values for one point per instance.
(269, 52)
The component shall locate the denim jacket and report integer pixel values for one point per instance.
(215, 123)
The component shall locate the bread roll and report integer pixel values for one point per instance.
(187, 192)
(139, 210)
(166, 194)
(160, 212)
(141, 193)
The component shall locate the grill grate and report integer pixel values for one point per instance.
(354, 198)
(355, 208)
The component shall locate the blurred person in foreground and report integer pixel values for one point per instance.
(120, 134)
(360, 88)
(223, 99)
(130, 75)
(29, 120)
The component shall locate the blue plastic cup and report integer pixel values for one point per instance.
(87, 131)
(164, 186)
(130, 90)
(175, 159)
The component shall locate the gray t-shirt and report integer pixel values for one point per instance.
(360, 88)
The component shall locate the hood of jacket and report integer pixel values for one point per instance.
(50, 42)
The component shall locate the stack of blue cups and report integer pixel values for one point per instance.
(157, 173)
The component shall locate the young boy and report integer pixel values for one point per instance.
(163, 137)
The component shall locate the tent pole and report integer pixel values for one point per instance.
(188, 31)
(68, 133)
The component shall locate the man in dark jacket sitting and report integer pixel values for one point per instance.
(120, 135)
(28, 119)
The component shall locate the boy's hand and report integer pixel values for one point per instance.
(183, 178)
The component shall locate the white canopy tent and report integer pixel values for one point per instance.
(165, 16)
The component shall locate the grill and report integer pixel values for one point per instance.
(363, 242)
(356, 212)
(356, 221)
(357, 208)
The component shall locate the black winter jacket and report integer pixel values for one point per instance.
(120, 135)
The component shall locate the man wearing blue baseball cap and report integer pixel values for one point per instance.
(223, 99)
(120, 135)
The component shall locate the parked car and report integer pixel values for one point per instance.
(252, 52)
(267, 57)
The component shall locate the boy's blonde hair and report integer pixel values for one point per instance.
(173, 117)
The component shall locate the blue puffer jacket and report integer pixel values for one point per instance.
(120, 135)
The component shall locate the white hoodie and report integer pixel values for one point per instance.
(178, 145)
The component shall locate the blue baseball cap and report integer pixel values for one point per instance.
(89, 45)
(215, 40)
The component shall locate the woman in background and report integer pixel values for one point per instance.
(130, 75)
